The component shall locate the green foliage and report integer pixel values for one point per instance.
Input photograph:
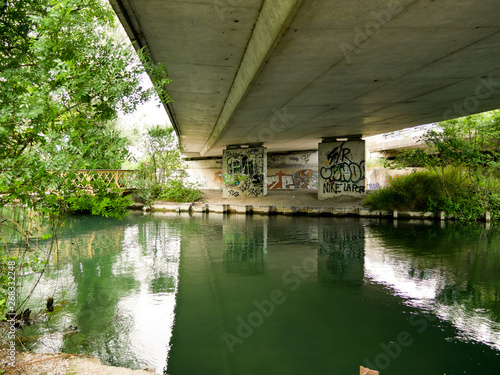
(96, 197)
(376, 163)
(146, 191)
(162, 154)
(463, 176)
(174, 190)
(107, 204)
(101, 147)
(422, 191)
(19, 254)
(408, 192)
(63, 76)
(161, 176)
(179, 191)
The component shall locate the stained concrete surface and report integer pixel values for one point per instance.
(293, 198)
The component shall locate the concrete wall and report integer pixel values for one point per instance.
(378, 178)
(341, 167)
(298, 170)
(244, 172)
(207, 174)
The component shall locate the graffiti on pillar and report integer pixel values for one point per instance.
(341, 173)
(218, 177)
(243, 172)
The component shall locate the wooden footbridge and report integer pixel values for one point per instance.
(121, 179)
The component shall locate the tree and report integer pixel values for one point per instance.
(162, 153)
(63, 77)
(162, 175)
(464, 154)
(101, 147)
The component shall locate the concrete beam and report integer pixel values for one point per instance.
(274, 18)
(287, 73)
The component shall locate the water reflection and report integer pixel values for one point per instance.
(451, 271)
(117, 286)
(244, 243)
(281, 288)
(341, 252)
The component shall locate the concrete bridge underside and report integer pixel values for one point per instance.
(287, 73)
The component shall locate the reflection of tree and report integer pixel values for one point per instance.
(97, 295)
(465, 258)
(105, 270)
(156, 238)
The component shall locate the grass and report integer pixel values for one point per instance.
(452, 192)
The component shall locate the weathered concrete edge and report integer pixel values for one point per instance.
(302, 211)
(269, 28)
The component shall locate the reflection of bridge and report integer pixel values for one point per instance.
(88, 244)
(112, 178)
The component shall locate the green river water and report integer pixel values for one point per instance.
(219, 294)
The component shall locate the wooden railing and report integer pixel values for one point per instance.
(113, 178)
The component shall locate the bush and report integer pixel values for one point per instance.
(178, 191)
(426, 191)
(408, 192)
(175, 190)
(107, 204)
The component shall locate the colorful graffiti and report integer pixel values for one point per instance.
(218, 177)
(243, 172)
(387, 182)
(302, 179)
(280, 181)
(306, 179)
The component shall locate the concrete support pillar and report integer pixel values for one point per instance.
(341, 169)
(244, 172)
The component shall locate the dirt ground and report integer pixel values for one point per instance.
(296, 198)
(61, 364)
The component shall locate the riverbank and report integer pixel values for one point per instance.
(61, 364)
(275, 202)
(294, 202)
(296, 198)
